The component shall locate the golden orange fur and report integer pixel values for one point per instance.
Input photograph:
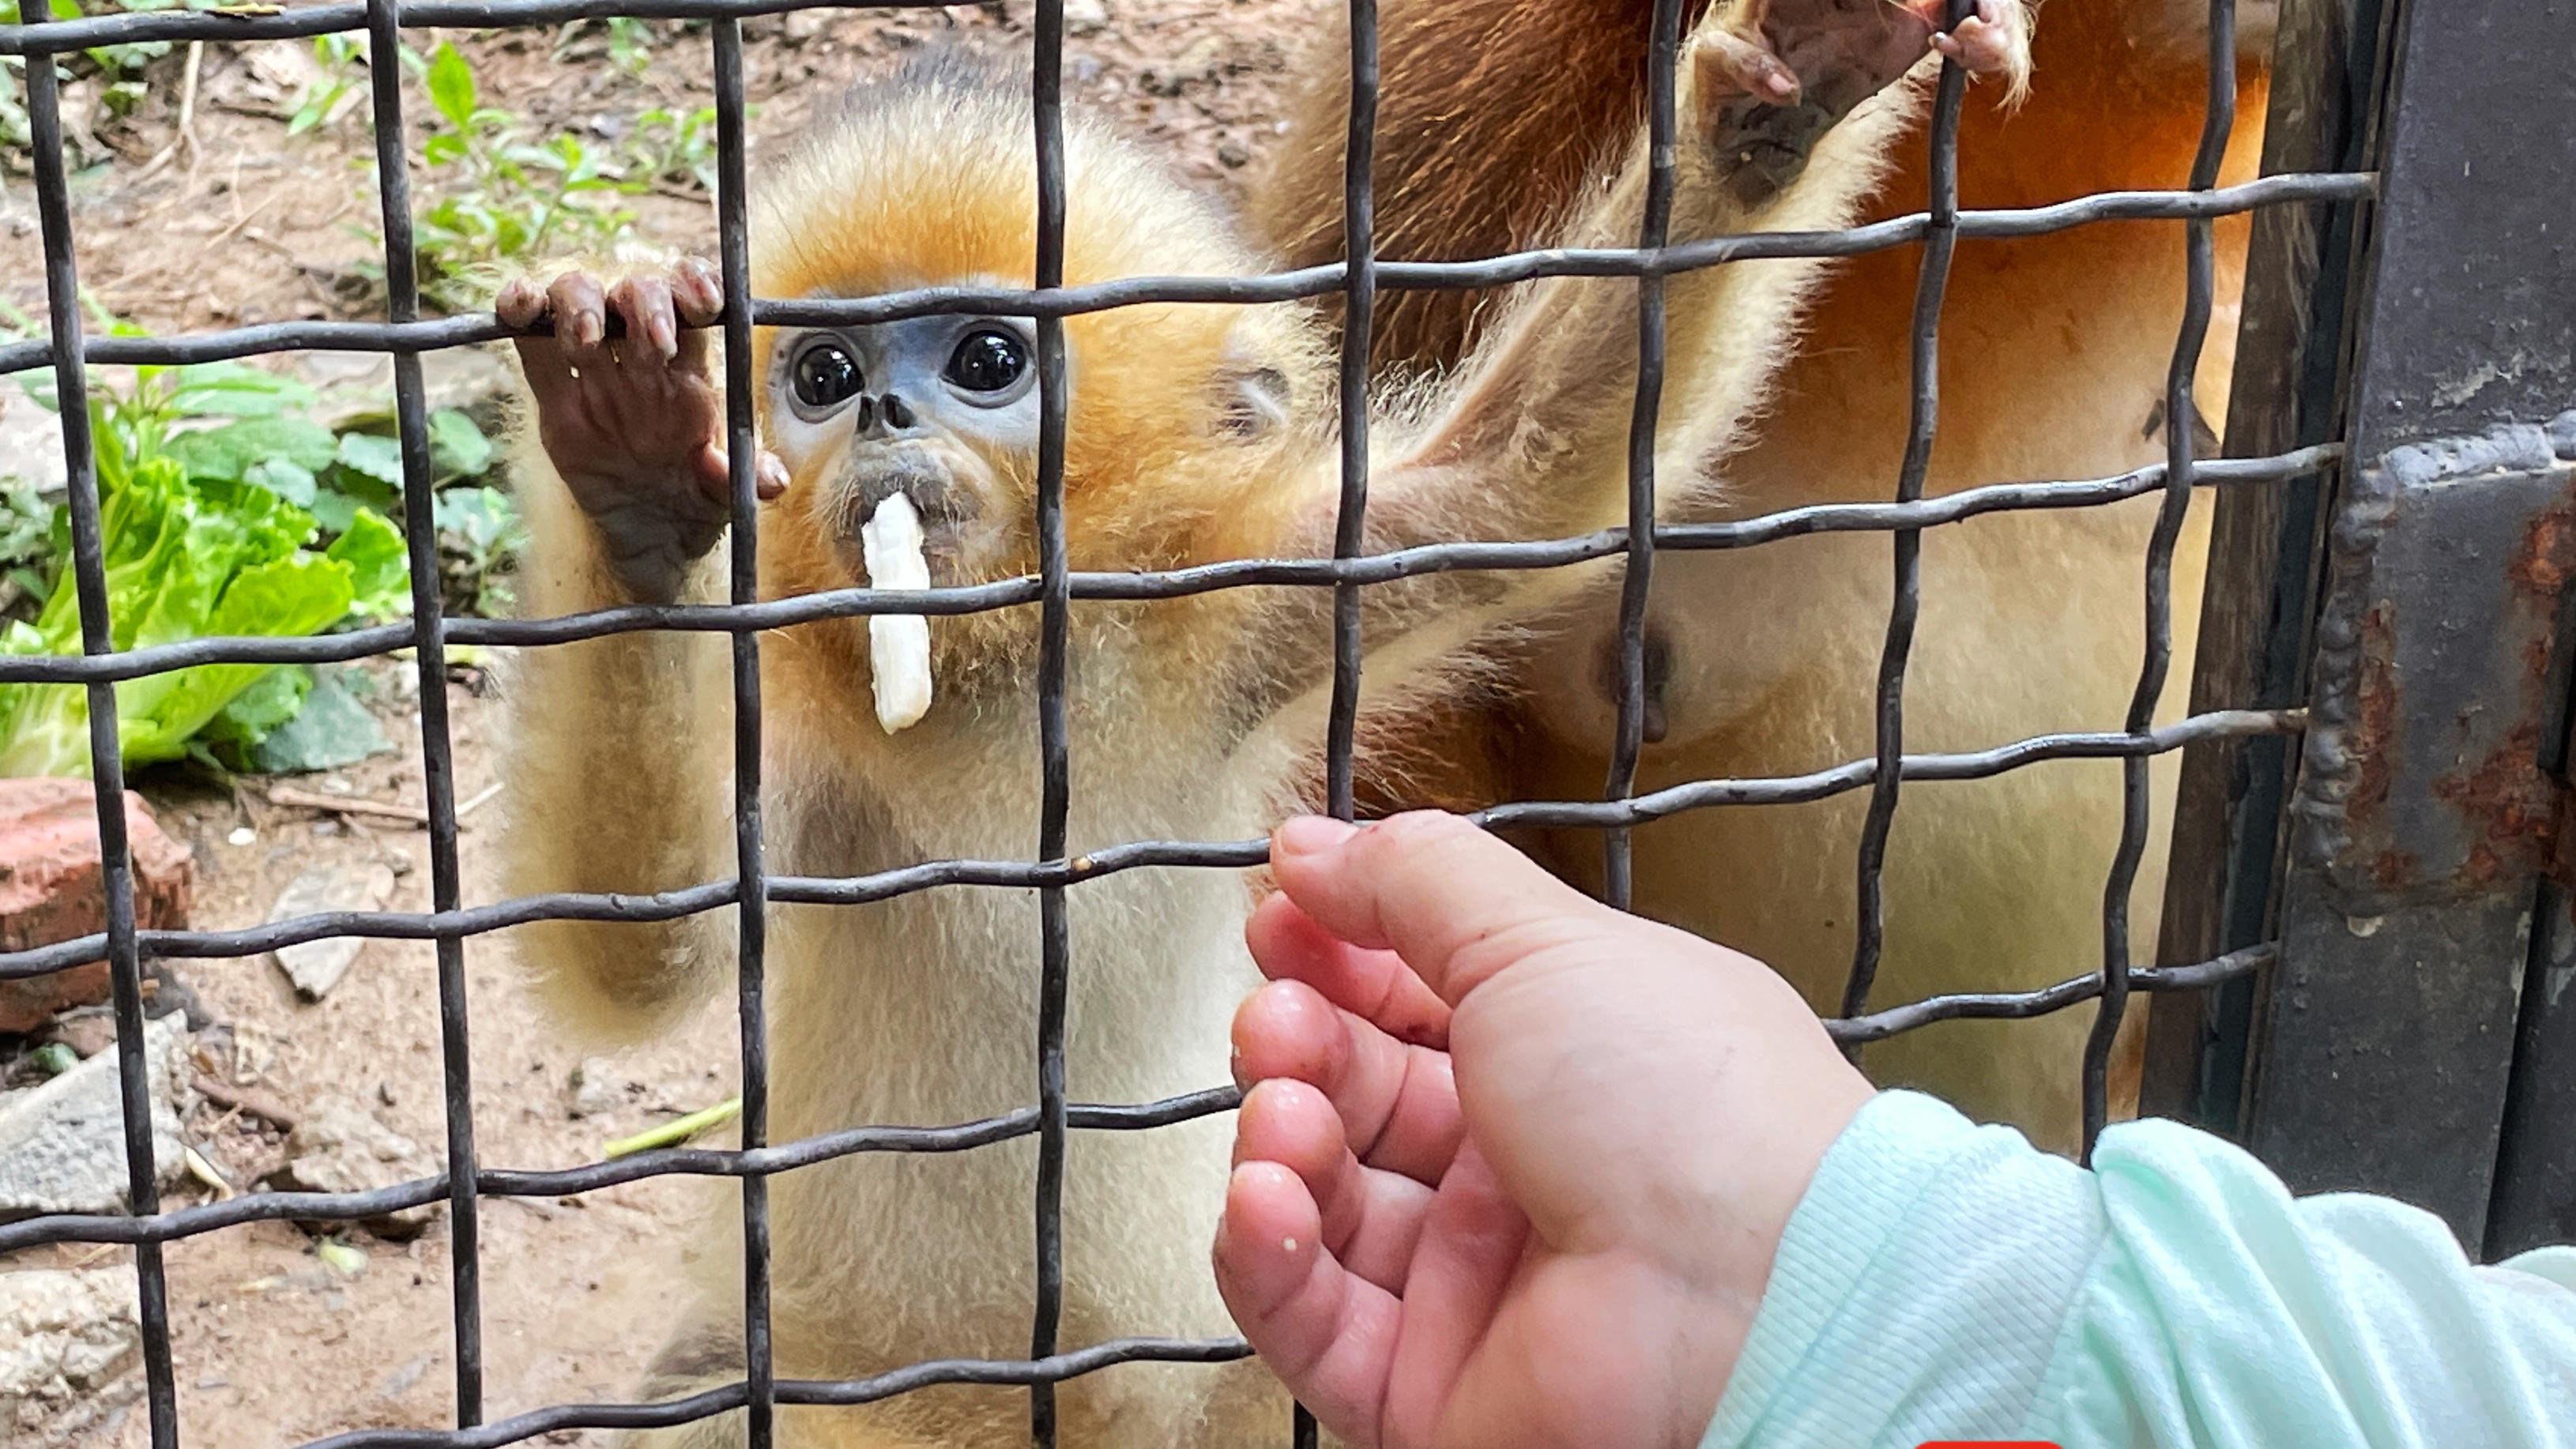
(1186, 718)
(2054, 358)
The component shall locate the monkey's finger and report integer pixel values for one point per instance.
(714, 471)
(1454, 902)
(1989, 42)
(1397, 1105)
(1371, 1218)
(1376, 985)
(1326, 1332)
(689, 355)
(644, 301)
(580, 310)
(1729, 62)
(520, 303)
(697, 290)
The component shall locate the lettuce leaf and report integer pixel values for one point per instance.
(186, 557)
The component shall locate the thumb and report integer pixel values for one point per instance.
(1457, 904)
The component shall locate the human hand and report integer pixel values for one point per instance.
(1511, 1166)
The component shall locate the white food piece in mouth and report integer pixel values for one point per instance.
(898, 644)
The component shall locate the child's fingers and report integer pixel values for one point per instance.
(1454, 902)
(1376, 985)
(1371, 1218)
(1328, 1334)
(1475, 1237)
(1396, 1105)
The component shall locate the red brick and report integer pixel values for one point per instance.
(51, 888)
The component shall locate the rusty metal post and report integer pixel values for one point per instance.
(2422, 823)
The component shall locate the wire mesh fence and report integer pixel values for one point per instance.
(1054, 589)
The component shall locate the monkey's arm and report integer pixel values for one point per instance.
(620, 762)
(1783, 127)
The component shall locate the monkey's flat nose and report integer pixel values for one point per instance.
(886, 416)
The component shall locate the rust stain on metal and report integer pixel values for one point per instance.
(2394, 869)
(2510, 805)
(2547, 558)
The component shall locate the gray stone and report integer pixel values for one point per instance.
(596, 1088)
(62, 1144)
(64, 1333)
(339, 1146)
(31, 441)
(317, 966)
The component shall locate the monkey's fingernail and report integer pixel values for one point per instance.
(666, 340)
(588, 328)
(772, 474)
(1311, 835)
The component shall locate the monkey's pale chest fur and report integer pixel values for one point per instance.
(922, 1009)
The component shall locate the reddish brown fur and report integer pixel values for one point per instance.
(1473, 157)
(2051, 346)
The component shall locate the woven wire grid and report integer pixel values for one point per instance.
(1052, 1118)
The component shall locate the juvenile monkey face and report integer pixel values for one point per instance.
(941, 409)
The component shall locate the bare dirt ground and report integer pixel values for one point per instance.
(241, 224)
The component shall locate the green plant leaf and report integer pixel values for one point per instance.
(481, 520)
(337, 506)
(229, 389)
(373, 456)
(379, 568)
(270, 701)
(328, 729)
(286, 478)
(451, 85)
(185, 557)
(457, 445)
(231, 452)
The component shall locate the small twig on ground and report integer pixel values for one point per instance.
(481, 798)
(243, 221)
(249, 1101)
(187, 135)
(345, 805)
(673, 1133)
(204, 1171)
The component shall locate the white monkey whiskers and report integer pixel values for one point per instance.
(898, 644)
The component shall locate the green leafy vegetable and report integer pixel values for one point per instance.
(294, 722)
(186, 557)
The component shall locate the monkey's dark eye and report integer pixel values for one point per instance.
(987, 361)
(827, 376)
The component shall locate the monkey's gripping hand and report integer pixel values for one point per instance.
(1768, 78)
(634, 424)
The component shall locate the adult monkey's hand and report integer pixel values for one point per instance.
(1512, 1166)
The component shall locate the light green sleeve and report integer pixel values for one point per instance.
(1942, 1280)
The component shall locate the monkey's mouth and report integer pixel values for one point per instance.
(898, 644)
(947, 512)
